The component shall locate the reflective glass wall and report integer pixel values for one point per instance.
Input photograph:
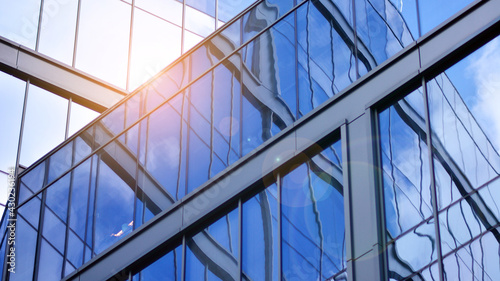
(441, 185)
(249, 81)
(291, 230)
(124, 43)
(41, 118)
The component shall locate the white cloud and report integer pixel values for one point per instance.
(485, 67)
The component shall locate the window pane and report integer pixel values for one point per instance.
(11, 108)
(19, 21)
(156, 43)
(405, 165)
(50, 267)
(205, 6)
(169, 10)
(45, 124)
(115, 197)
(313, 235)
(26, 238)
(103, 40)
(80, 117)
(228, 9)
(167, 268)
(198, 22)
(57, 36)
(432, 12)
(260, 236)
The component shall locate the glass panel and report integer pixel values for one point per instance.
(26, 238)
(33, 181)
(212, 254)
(476, 261)
(168, 268)
(163, 158)
(109, 126)
(190, 40)
(79, 198)
(156, 43)
(458, 225)
(466, 126)
(60, 162)
(74, 250)
(107, 22)
(45, 124)
(11, 108)
(412, 251)
(313, 235)
(206, 6)
(54, 230)
(57, 197)
(260, 236)
(19, 22)
(377, 30)
(228, 9)
(80, 117)
(403, 14)
(170, 10)
(57, 35)
(432, 13)
(115, 196)
(198, 22)
(405, 165)
(31, 211)
(50, 267)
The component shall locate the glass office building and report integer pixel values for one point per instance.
(303, 140)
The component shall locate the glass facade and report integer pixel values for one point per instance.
(454, 185)
(415, 164)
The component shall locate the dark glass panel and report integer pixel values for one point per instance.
(54, 230)
(75, 250)
(34, 179)
(51, 262)
(163, 148)
(26, 238)
(31, 211)
(225, 232)
(375, 35)
(115, 198)
(198, 162)
(68, 269)
(313, 245)
(58, 195)
(167, 268)
(80, 198)
(260, 236)
(405, 165)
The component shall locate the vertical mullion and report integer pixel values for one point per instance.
(418, 18)
(347, 204)
(77, 29)
(68, 116)
(280, 238)
(87, 212)
(39, 29)
(21, 133)
(183, 28)
(355, 50)
(434, 198)
(40, 224)
(131, 33)
(240, 239)
(183, 271)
